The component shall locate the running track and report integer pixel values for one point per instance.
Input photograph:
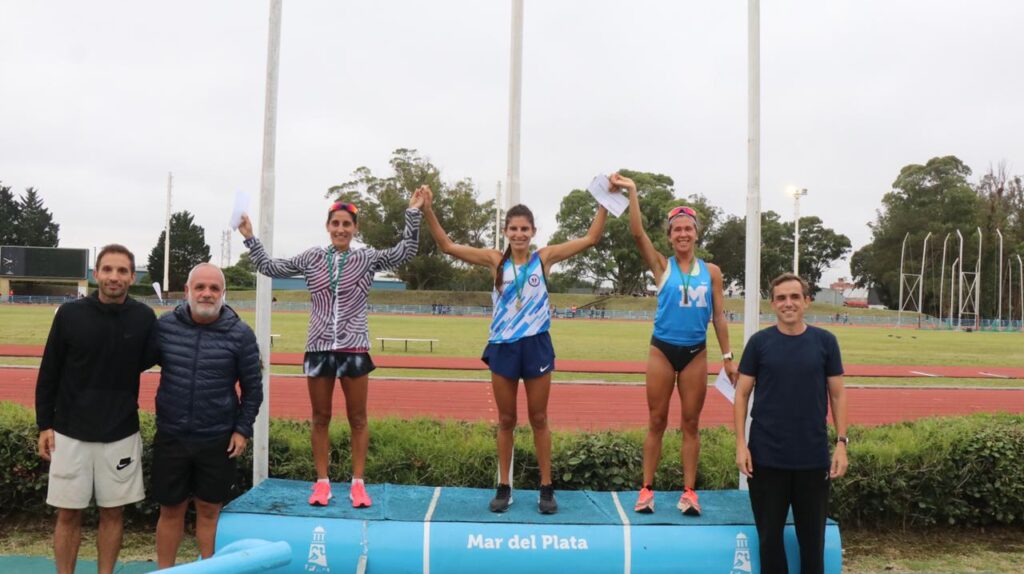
(620, 367)
(572, 405)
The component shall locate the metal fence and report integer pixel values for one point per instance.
(610, 314)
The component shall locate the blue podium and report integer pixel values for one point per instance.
(439, 529)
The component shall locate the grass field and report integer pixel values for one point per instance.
(602, 339)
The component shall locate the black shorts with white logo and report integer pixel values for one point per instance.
(678, 355)
(191, 468)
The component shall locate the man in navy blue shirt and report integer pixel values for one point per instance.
(798, 371)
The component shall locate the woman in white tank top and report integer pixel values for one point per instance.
(519, 346)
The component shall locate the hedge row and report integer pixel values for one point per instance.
(963, 470)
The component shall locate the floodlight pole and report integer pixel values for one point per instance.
(977, 285)
(797, 193)
(264, 293)
(167, 237)
(497, 218)
(1009, 283)
(752, 265)
(515, 108)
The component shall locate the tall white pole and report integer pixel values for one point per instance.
(899, 306)
(942, 275)
(515, 94)
(960, 283)
(261, 431)
(999, 299)
(752, 265)
(497, 218)
(796, 229)
(1020, 279)
(977, 285)
(167, 237)
(1009, 284)
(920, 282)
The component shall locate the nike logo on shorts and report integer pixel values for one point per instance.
(123, 463)
(694, 351)
(544, 368)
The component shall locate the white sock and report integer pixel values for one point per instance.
(356, 481)
(323, 480)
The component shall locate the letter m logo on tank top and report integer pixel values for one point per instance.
(696, 296)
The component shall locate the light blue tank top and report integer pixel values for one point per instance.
(532, 315)
(683, 320)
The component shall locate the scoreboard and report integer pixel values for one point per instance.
(43, 262)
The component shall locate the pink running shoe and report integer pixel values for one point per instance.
(321, 494)
(358, 496)
(688, 503)
(645, 502)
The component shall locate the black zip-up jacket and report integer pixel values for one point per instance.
(88, 385)
(199, 366)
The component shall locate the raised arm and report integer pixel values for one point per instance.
(560, 252)
(656, 262)
(409, 244)
(469, 254)
(263, 262)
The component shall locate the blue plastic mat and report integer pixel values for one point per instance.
(411, 504)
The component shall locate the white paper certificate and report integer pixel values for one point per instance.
(615, 203)
(724, 386)
(241, 207)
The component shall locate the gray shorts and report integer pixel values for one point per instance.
(110, 471)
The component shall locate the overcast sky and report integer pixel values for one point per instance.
(100, 100)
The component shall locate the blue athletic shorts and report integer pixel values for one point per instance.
(527, 358)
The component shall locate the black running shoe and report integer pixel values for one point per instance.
(546, 503)
(502, 499)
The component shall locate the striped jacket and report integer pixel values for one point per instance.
(338, 320)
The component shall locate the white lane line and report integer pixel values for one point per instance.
(625, 534)
(426, 530)
(923, 374)
(993, 375)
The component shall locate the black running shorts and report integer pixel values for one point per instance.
(185, 468)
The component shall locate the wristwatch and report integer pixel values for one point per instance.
(727, 356)
(843, 439)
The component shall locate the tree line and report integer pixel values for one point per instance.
(939, 198)
(25, 221)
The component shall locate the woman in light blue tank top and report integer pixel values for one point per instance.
(519, 346)
(689, 296)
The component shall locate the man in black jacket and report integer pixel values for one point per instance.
(87, 409)
(202, 425)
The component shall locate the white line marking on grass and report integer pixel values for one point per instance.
(625, 534)
(426, 530)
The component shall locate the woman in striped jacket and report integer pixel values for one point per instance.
(338, 343)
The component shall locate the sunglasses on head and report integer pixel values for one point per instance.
(349, 207)
(682, 210)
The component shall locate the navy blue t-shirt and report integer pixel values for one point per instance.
(789, 427)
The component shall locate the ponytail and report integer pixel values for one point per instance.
(499, 274)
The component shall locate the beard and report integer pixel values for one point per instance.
(204, 309)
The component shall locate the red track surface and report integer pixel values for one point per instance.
(579, 406)
(627, 367)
